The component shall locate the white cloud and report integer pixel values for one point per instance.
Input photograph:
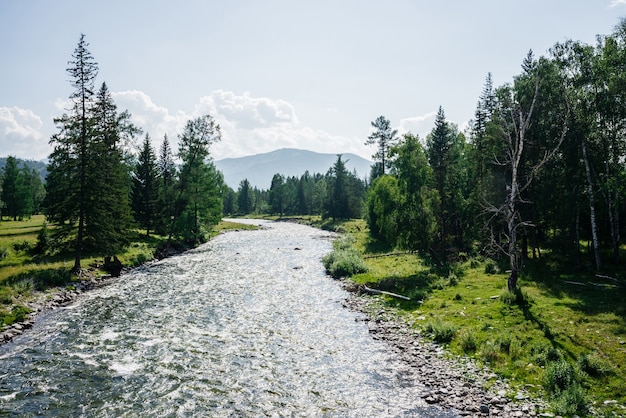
(20, 134)
(615, 3)
(420, 125)
(249, 125)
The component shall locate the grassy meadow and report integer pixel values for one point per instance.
(562, 336)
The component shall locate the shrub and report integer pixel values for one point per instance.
(559, 376)
(51, 277)
(6, 298)
(490, 352)
(21, 246)
(517, 297)
(545, 353)
(441, 332)
(17, 314)
(572, 401)
(4, 253)
(43, 240)
(594, 366)
(344, 263)
(468, 341)
(491, 267)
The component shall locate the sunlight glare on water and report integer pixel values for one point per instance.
(245, 325)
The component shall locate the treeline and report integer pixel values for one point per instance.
(338, 194)
(542, 164)
(99, 190)
(21, 189)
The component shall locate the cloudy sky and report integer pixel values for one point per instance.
(276, 73)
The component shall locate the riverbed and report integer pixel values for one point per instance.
(245, 325)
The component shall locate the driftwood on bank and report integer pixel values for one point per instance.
(386, 254)
(383, 292)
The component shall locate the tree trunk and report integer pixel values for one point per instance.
(592, 209)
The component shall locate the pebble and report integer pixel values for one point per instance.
(457, 385)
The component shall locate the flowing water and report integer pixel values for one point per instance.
(245, 325)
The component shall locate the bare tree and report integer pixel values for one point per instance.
(515, 122)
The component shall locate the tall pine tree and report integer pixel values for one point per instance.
(145, 198)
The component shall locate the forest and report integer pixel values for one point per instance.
(539, 174)
(540, 168)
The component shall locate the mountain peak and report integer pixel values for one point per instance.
(260, 168)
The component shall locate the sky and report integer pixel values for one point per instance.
(309, 74)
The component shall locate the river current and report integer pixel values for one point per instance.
(247, 325)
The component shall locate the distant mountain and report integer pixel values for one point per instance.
(39, 166)
(260, 168)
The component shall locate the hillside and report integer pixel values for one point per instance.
(260, 168)
(38, 166)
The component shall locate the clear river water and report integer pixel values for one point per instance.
(247, 325)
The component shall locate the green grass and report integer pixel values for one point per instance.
(519, 335)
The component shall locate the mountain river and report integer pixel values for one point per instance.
(247, 325)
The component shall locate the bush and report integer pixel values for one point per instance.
(560, 375)
(344, 263)
(490, 352)
(545, 353)
(572, 401)
(21, 246)
(441, 332)
(468, 341)
(594, 366)
(43, 240)
(6, 298)
(344, 260)
(51, 277)
(491, 267)
(17, 314)
(517, 297)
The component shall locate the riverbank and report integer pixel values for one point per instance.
(451, 382)
(36, 302)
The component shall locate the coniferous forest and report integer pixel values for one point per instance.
(538, 177)
(540, 166)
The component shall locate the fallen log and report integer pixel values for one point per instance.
(386, 254)
(383, 292)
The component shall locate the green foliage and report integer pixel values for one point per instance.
(440, 331)
(44, 240)
(145, 192)
(559, 376)
(594, 365)
(517, 297)
(468, 341)
(6, 296)
(22, 246)
(572, 401)
(344, 260)
(491, 267)
(4, 252)
(17, 314)
(344, 263)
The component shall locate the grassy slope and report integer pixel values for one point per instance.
(517, 340)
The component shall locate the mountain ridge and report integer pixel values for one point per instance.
(260, 168)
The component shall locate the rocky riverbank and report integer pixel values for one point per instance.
(53, 298)
(452, 383)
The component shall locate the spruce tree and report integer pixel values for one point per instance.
(16, 191)
(199, 200)
(66, 185)
(145, 187)
(167, 176)
(244, 197)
